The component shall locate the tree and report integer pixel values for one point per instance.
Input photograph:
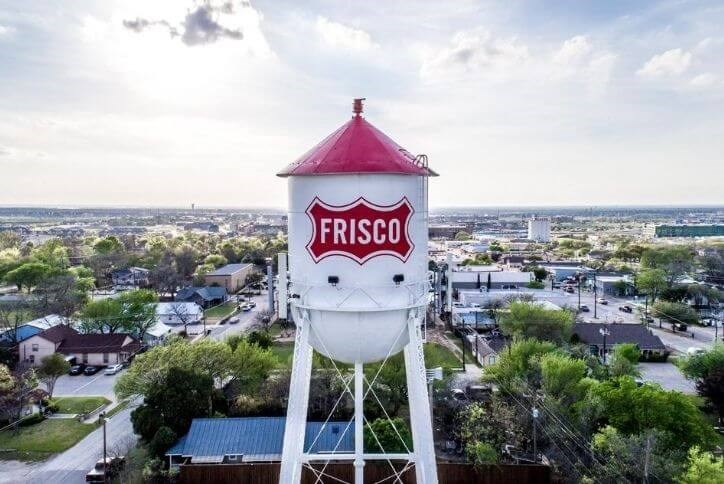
(62, 294)
(138, 311)
(493, 307)
(463, 235)
(164, 277)
(174, 402)
(652, 282)
(51, 368)
(624, 360)
(101, 316)
(264, 320)
(520, 361)
(385, 436)
(162, 440)
(636, 458)
(675, 261)
(540, 273)
(206, 357)
(494, 425)
(480, 453)
(28, 275)
(531, 320)
(52, 253)
(702, 468)
(250, 365)
(675, 312)
(561, 378)
(108, 245)
(186, 258)
(216, 260)
(633, 409)
(707, 370)
(390, 384)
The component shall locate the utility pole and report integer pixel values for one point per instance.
(646, 310)
(647, 456)
(595, 297)
(102, 416)
(579, 292)
(535, 433)
(604, 332)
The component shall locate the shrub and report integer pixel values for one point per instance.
(535, 285)
(35, 418)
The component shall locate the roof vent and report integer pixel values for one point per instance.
(357, 105)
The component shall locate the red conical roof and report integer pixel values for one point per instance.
(356, 147)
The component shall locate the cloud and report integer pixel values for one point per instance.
(573, 50)
(342, 36)
(671, 63)
(704, 80)
(474, 50)
(6, 31)
(203, 24)
(5, 151)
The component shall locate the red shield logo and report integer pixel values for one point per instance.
(360, 230)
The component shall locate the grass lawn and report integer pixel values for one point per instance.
(117, 409)
(283, 352)
(39, 441)
(437, 355)
(79, 404)
(221, 311)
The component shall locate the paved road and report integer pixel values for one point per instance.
(71, 466)
(81, 385)
(246, 320)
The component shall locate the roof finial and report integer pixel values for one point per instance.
(357, 105)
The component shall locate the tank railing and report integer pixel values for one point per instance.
(416, 294)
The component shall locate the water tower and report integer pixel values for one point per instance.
(358, 285)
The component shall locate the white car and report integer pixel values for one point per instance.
(113, 369)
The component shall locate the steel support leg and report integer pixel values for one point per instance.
(420, 416)
(291, 468)
(359, 418)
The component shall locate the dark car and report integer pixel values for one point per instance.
(91, 370)
(626, 308)
(76, 370)
(101, 473)
(584, 308)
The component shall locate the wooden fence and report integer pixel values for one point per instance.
(448, 473)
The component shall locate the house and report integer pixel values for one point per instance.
(651, 346)
(157, 334)
(91, 349)
(231, 276)
(13, 336)
(205, 296)
(485, 349)
(613, 284)
(253, 439)
(513, 261)
(178, 313)
(131, 276)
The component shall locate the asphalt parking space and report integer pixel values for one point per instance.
(98, 384)
(667, 375)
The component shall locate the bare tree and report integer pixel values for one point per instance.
(264, 320)
(182, 313)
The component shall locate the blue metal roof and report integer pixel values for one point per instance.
(262, 436)
(205, 292)
(22, 333)
(227, 270)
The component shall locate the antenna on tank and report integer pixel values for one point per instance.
(357, 107)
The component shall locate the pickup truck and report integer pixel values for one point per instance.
(113, 468)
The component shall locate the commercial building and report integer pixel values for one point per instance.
(592, 334)
(539, 229)
(689, 230)
(445, 231)
(231, 277)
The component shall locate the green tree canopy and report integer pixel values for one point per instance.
(519, 361)
(51, 368)
(463, 235)
(702, 468)
(108, 245)
(651, 282)
(531, 320)
(675, 312)
(633, 409)
(674, 260)
(382, 433)
(28, 275)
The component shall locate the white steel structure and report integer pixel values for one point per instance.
(354, 298)
(539, 229)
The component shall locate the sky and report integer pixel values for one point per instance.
(517, 102)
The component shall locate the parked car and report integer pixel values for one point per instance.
(245, 307)
(584, 308)
(510, 286)
(625, 308)
(91, 370)
(569, 290)
(694, 350)
(251, 304)
(602, 301)
(233, 320)
(112, 469)
(76, 370)
(679, 326)
(113, 369)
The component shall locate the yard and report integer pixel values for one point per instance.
(221, 311)
(77, 405)
(39, 441)
(283, 351)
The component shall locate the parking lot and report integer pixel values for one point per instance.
(98, 384)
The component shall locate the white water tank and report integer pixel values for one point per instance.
(358, 242)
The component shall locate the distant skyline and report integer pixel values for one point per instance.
(517, 103)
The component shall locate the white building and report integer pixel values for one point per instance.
(539, 229)
(176, 313)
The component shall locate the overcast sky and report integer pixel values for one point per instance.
(525, 102)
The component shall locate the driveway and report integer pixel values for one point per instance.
(246, 320)
(667, 375)
(71, 466)
(82, 385)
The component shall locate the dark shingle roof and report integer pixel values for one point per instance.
(262, 437)
(618, 333)
(228, 270)
(98, 343)
(56, 334)
(207, 293)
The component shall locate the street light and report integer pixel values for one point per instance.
(102, 417)
(604, 332)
